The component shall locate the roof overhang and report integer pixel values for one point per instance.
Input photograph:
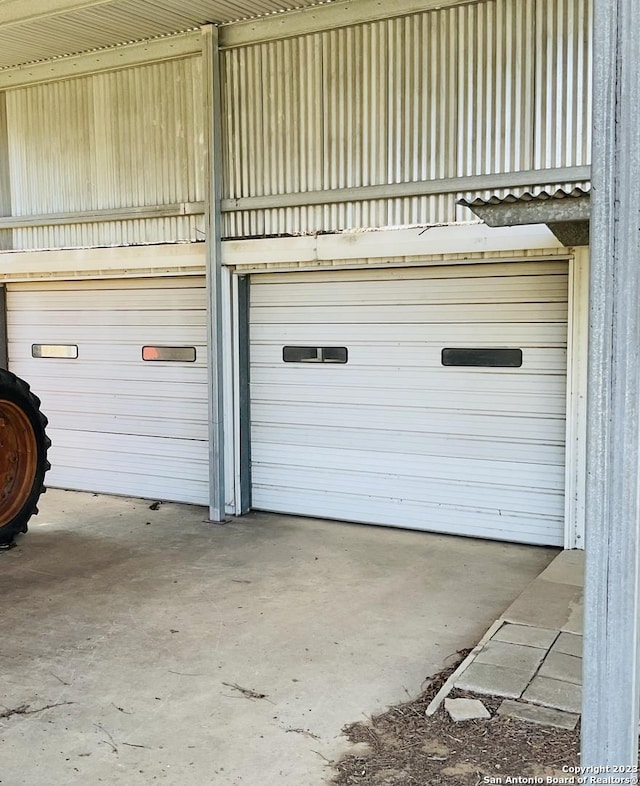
(566, 213)
(36, 30)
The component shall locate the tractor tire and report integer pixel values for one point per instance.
(23, 455)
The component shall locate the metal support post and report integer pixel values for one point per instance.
(213, 180)
(612, 608)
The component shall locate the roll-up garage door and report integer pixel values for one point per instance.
(119, 423)
(427, 398)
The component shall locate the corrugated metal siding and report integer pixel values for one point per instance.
(487, 87)
(119, 139)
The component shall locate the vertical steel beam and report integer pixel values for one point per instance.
(244, 394)
(612, 608)
(6, 239)
(213, 229)
(4, 342)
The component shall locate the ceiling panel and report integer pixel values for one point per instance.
(102, 24)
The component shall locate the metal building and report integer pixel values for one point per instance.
(243, 264)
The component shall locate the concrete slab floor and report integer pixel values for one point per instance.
(131, 620)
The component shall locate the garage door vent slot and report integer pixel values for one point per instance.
(483, 357)
(314, 354)
(67, 351)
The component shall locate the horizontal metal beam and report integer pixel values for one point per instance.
(170, 47)
(452, 185)
(101, 216)
(322, 17)
(449, 185)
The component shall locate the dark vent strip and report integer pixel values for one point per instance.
(315, 354)
(484, 357)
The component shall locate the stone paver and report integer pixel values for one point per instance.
(536, 654)
(548, 604)
(574, 623)
(554, 693)
(466, 709)
(566, 568)
(568, 643)
(511, 656)
(542, 638)
(544, 716)
(493, 680)
(559, 666)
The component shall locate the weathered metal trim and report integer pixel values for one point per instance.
(114, 58)
(507, 214)
(611, 685)
(448, 185)
(322, 17)
(101, 216)
(577, 358)
(244, 397)
(213, 251)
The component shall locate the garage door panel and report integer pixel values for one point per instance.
(190, 406)
(373, 464)
(459, 400)
(535, 529)
(428, 491)
(476, 313)
(439, 380)
(412, 442)
(538, 334)
(417, 291)
(421, 421)
(157, 455)
(109, 320)
(454, 269)
(120, 380)
(392, 436)
(94, 339)
(132, 424)
(118, 424)
(123, 483)
(117, 299)
(133, 371)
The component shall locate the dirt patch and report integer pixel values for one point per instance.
(407, 748)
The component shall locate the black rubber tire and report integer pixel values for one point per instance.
(15, 392)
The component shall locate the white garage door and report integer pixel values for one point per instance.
(119, 424)
(394, 436)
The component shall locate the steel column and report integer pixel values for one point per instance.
(213, 176)
(612, 608)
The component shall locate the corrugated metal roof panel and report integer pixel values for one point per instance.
(124, 21)
(523, 195)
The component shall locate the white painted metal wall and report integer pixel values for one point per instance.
(119, 139)
(488, 87)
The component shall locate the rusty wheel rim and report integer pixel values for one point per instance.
(18, 460)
